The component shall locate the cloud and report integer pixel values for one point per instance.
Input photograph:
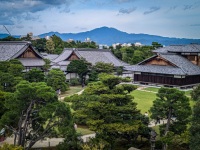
(19, 26)
(127, 11)
(123, 1)
(25, 9)
(187, 7)
(151, 10)
(195, 25)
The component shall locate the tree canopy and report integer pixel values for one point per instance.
(195, 123)
(173, 105)
(108, 109)
(34, 112)
(81, 67)
(56, 79)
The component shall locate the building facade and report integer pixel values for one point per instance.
(174, 66)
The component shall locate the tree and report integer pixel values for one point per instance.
(81, 67)
(34, 75)
(10, 74)
(195, 123)
(56, 79)
(107, 108)
(171, 103)
(50, 46)
(102, 67)
(47, 65)
(2, 101)
(33, 113)
(15, 68)
(156, 45)
(39, 44)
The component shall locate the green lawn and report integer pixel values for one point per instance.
(143, 99)
(152, 89)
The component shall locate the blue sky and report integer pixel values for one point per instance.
(171, 18)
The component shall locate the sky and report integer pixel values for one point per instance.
(169, 18)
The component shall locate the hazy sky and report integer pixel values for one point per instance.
(172, 18)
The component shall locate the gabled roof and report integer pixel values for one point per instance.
(191, 48)
(32, 62)
(13, 49)
(91, 55)
(49, 56)
(182, 66)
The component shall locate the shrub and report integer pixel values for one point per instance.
(74, 81)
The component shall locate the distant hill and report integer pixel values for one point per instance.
(105, 35)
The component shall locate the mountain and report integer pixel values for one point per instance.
(105, 35)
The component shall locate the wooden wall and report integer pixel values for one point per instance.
(29, 53)
(158, 79)
(158, 61)
(73, 57)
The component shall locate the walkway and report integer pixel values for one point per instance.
(52, 142)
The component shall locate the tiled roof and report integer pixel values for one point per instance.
(188, 67)
(31, 62)
(12, 49)
(91, 55)
(9, 49)
(49, 56)
(182, 66)
(156, 69)
(191, 48)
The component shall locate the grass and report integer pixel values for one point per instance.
(151, 89)
(143, 99)
(71, 91)
(83, 130)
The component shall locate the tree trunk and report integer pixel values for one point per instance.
(167, 126)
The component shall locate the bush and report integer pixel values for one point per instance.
(74, 82)
(126, 79)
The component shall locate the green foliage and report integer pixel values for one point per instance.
(109, 80)
(119, 70)
(34, 112)
(133, 54)
(108, 109)
(81, 67)
(10, 74)
(195, 123)
(102, 67)
(56, 79)
(34, 75)
(171, 103)
(71, 141)
(50, 46)
(39, 44)
(74, 82)
(79, 44)
(126, 79)
(15, 67)
(7, 146)
(156, 45)
(2, 101)
(47, 66)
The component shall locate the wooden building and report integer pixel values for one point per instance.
(23, 51)
(90, 55)
(174, 66)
